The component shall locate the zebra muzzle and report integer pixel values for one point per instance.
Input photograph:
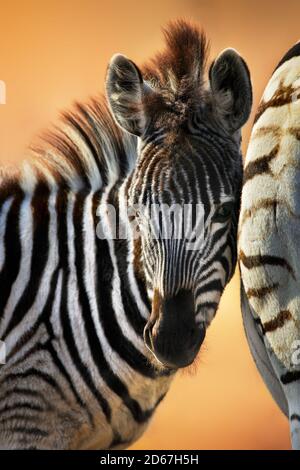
(171, 333)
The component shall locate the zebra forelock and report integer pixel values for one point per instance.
(178, 71)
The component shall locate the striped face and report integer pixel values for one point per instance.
(187, 208)
(187, 214)
(185, 187)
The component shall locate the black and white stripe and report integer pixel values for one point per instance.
(269, 238)
(74, 306)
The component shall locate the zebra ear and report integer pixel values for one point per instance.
(231, 89)
(125, 91)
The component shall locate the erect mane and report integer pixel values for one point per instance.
(179, 69)
(85, 149)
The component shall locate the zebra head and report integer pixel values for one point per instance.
(188, 158)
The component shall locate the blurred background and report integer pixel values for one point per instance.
(56, 51)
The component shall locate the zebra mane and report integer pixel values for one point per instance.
(179, 69)
(86, 149)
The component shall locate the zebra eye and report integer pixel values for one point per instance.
(223, 213)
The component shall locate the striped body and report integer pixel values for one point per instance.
(71, 319)
(269, 229)
(95, 326)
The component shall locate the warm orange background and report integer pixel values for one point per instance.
(55, 51)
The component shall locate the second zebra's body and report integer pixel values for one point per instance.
(96, 324)
(269, 239)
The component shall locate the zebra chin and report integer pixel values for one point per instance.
(171, 334)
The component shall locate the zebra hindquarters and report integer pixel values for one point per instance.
(269, 229)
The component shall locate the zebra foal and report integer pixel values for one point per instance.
(96, 324)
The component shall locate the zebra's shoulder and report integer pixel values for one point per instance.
(293, 52)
